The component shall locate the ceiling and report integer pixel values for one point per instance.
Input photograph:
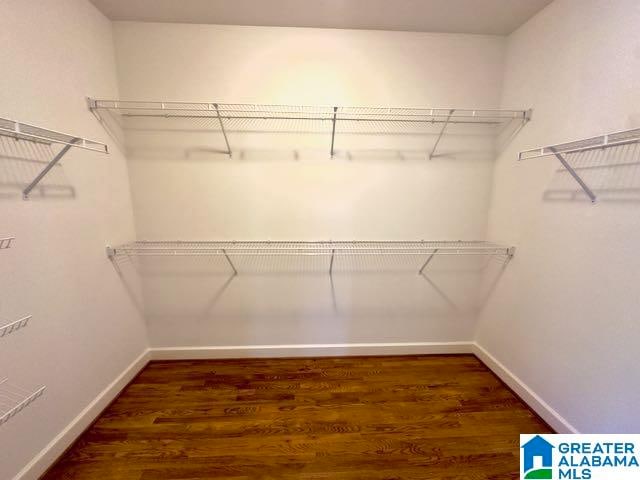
(499, 17)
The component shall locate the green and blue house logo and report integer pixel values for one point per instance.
(537, 459)
(580, 457)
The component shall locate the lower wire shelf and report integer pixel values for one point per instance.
(422, 250)
(14, 399)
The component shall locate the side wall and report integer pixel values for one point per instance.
(85, 329)
(376, 188)
(564, 316)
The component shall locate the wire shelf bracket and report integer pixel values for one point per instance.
(6, 243)
(609, 140)
(14, 326)
(14, 399)
(24, 131)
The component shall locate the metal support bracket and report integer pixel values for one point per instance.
(333, 254)
(111, 252)
(333, 130)
(575, 175)
(50, 165)
(224, 132)
(427, 262)
(444, 127)
(224, 252)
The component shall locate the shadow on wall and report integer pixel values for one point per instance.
(612, 173)
(197, 292)
(20, 163)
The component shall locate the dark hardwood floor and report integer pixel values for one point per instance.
(410, 417)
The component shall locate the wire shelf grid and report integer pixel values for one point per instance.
(23, 131)
(600, 142)
(6, 242)
(227, 118)
(14, 326)
(561, 151)
(14, 399)
(304, 112)
(311, 248)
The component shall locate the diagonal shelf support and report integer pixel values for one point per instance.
(333, 130)
(26, 132)
(224, 252)
(427, 262)
(224, 132)
(575, 175)
(444, 127)
(333, 256)
(47, 169)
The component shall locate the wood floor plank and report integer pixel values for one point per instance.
(394, 418)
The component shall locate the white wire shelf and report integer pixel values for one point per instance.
(14, 399)
(24, 131)
(14, 326)
(233, 118)
(560, 151)
(423, 251)
(6, 243)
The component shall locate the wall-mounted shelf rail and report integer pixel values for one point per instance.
(226, 118)
(423, 251)
(14, 399)
(560, 151)
(13, 326)
(23, 131)
(6, 242)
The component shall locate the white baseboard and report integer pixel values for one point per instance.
(41, 462)
(312, 350)
(531, 398)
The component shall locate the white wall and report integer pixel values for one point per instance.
(85, 330)
(564, 315)
(263, 193)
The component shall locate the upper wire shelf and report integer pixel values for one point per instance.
(332, 120)
(13, 326)
(24, 131)
(6, 242)
(14, 399)
(559, 151)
